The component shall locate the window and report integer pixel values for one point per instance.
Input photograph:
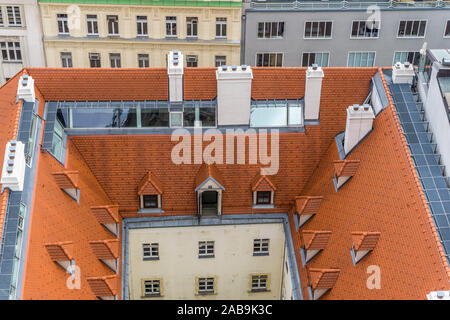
(260, 282)
(411, 28)
(447, 29)
(319, 58)
(141, 22)
(276, 113)
(261, 247)
(221, 61)
(14, 18)
(263, 197)
(365, 29)
(192, 61)
(92, 24)
(150, 201)
(412, 57)
(151, 288)
(361, 59)
(221, 27)
(17, 251)
(269, 59)
(11, 51)
(318, 29)
(206, 286)
(270, 29)
(192, 26)
(1, 17)
(206, 249)
(114, 58)
(171, 26)
(66, 59)
(143, 61)
(94, 60)
(176, 119)
(113, 25)
(63, 26)
(57, 144)
(150, 251)
(31, 140)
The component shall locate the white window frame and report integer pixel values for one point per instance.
(276, 59)
(15, 48)
(206, 249)
(170, 119)
(66, 57)
(143, 23)
(63, 22)
(223, 60)
(259, 287)
(223, 26)
(318, 37)
(93, 23)
(172, 23)
(145, 57)
(374, 58)
(99, 59)
(193, 23)
(412, 37)
(378, 22)
(2, 21)
(206, 282)
(261, 247)
(445, 29)
(141, 199)
(322, 53)
(114, 20)
(153, 292)
(407, 52)
(117, 57)
(17, 20)
(270, 31)
(152, 250)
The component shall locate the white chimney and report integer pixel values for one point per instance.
(313, 88)
(13, 172)
(403, 73)
(25, 90)
(175, 72)
(234, 88)
(359, 123)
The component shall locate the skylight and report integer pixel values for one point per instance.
(276, 113)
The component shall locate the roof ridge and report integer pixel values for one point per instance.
(391, 109)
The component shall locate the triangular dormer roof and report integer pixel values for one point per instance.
(150, 185)
(262, 183)
(208, 172)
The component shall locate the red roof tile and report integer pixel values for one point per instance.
(105, 286)
(365, 240)
(106, 214)
(345, 168)
(323, 278)
(66, 179)
(308, 204)
(60, 251)
(105, 249)
(315, 240)
(199, 83)
(150, 185)
(262, 183)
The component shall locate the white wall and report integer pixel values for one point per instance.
(232, 265)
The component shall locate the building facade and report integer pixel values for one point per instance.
(128, 33)
(20, 37)
(341, 34)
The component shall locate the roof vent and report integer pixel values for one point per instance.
(224, 68)
(363, 244)
(343, 171)
(439, 295)
(13, 172)
(108, 216)
(305, 208)
(68, 182)
(313, 243)
(25, 90)
(407, 64)
(234, 68)
(403, 73)
(61, 253)
(321, 281)
(244, 67)
(105, 288)
(107, 251)
(446, 62)
(315, 66)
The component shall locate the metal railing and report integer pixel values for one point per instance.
(326, 5)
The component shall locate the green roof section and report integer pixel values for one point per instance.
(173, 3)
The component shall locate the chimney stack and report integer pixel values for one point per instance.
(313, 88)
(234, 88)
(359, 124)
(25, 90)
(403, 73)
(175, 72)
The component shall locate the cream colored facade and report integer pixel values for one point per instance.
(206, 46)
(179, 265)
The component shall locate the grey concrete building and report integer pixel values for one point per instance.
(20, 37)
(341, 33)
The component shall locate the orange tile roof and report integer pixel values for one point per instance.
(365, 240)
(106, 214)
(105, 286)
(60, 251)
(345, 168)
(308, 204)
(323, 278)
(105, 249)
(66, 179)
(101, 83)
(315, 240)
(199, 83)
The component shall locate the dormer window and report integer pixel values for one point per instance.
(263, 197)
(209, 188)
(263, 192)
(150, 194)
(150, 201)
